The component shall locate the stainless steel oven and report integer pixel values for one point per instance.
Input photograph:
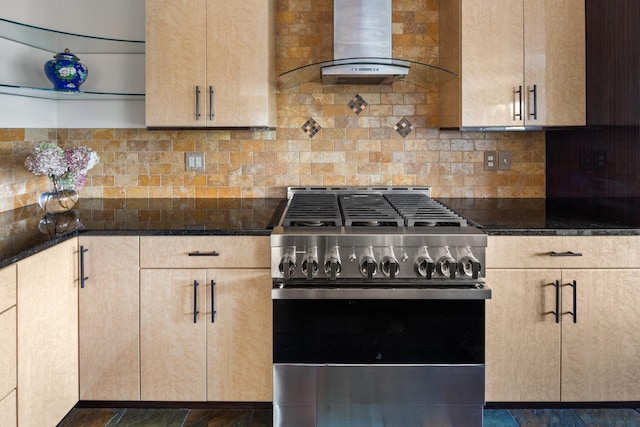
(377, 325)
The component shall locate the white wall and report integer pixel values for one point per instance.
(111, 72)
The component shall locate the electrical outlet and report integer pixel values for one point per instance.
(504, 160)
(194, 161)
(490, 161)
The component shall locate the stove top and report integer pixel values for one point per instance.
(375, 234)
(367, 207)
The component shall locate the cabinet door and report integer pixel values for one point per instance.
(239, 341)
(601, 351)
(522, 336)
(109, 319)
(240, 63)
(172, 341)
(489, 37)
(48, 335)
(554, 62)
(175, 62)
(8, 354)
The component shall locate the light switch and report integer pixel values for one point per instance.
(504, 160)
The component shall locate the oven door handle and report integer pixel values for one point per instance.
(451, 293)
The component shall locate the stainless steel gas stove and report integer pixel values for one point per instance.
(378, 302)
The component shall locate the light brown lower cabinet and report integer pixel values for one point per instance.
(47, 334)
(109, 318)
(205, 334)
(522, 337)
(172, 336)
(8, 354)
(601, 351)
(535, 351)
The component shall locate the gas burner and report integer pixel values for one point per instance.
(372, 223)
(313, 223)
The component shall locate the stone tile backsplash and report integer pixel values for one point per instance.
(326, 135)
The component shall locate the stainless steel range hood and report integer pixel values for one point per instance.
(362, 31)
(362, 51)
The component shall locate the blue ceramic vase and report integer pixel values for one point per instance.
(66, 72)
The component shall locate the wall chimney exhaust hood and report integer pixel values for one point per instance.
(362, 51)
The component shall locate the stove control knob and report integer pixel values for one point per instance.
(332, 264)
(368, 267)
(368, 264)
(389, 266)
(310, 263)
(469, 265)
(332, 268)
(288, 264)
(425, 266)
(446, 265)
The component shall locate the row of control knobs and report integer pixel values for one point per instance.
(430, 261)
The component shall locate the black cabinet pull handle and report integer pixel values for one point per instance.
(198, 253)
(517, 115)
(213, 305)
(195, 301)
(534, 91)
(557, 312)
(211, 103)
(83, 278)
(574, 313)
(197, 102)
(567, 253)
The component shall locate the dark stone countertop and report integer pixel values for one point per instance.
(26, 231)
(549, 217)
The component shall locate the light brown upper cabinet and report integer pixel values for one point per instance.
(210, 63)
(519, 62)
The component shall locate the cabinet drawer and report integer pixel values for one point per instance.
(205, 252)
(537, 251)
(7, 287)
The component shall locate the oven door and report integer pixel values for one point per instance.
(379, 356)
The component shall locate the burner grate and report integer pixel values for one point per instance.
(368, 210)
(312, 210)
(419, 210)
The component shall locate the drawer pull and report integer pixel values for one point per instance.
(198, 253)
(195, 301)
(557, 312)
(213, 302)
(574, 313)
(83, 278)
(567, 253)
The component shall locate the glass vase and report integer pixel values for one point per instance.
(61, 197)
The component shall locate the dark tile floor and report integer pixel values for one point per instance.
(135, 417)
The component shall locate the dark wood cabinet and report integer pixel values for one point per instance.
(600, 160)
(613, 62)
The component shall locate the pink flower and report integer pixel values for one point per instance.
(58, 164)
